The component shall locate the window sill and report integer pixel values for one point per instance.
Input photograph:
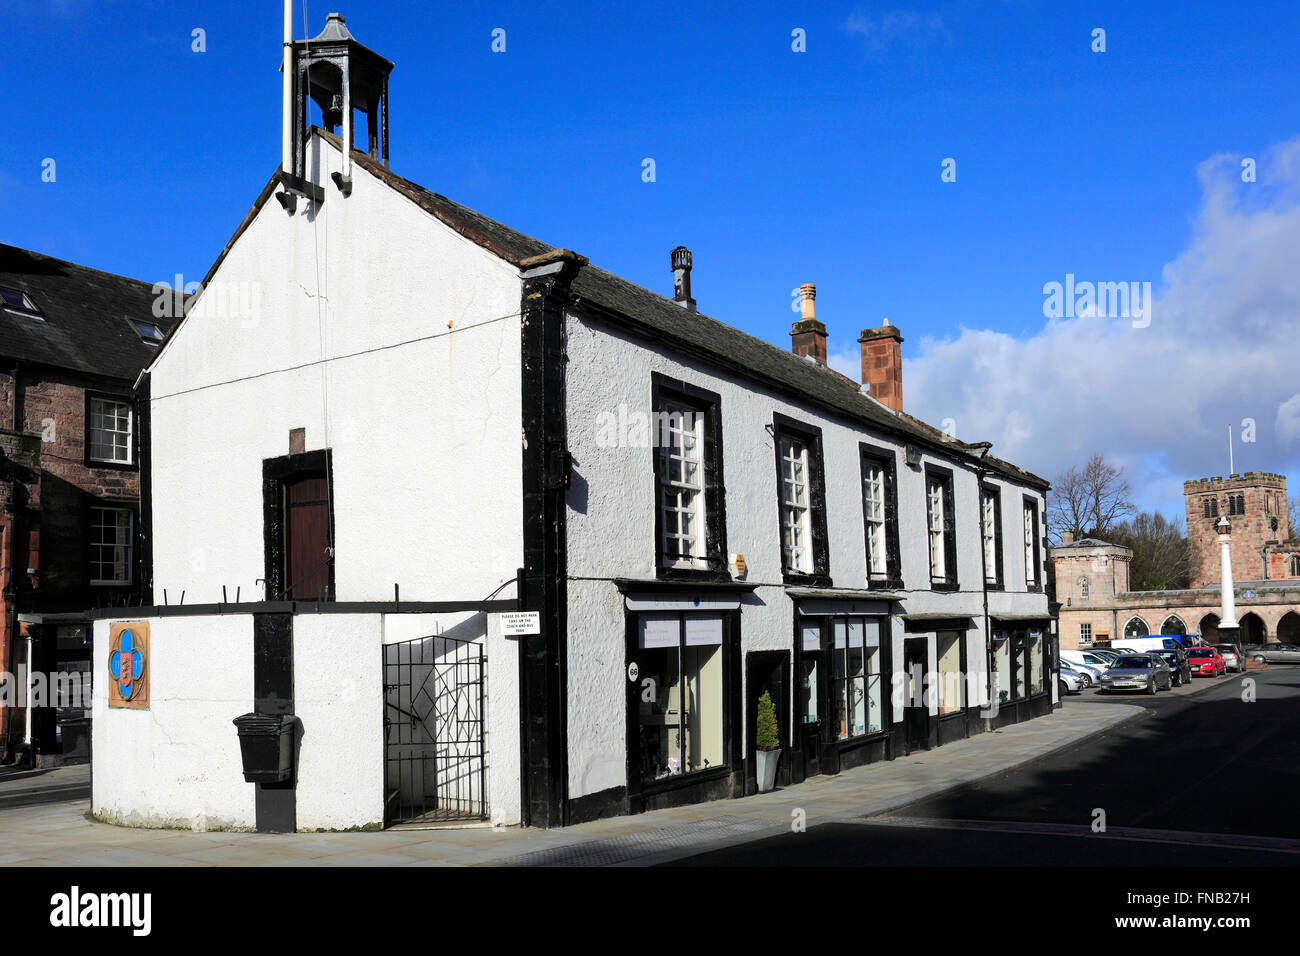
(104, 463)
(851, 743)
(805, 579)
(994, 586)
(944, 586)
(666, 572)
(894, 584)
(685, 779)
(110, 584)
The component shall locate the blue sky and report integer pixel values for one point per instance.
(776, 168)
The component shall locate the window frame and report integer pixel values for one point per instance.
(132, 435)
(715, 560)
(1030, 506)
(810, 436)
(951, 580)
(30, 311)
(998, 581)
(887, 460)
(92, 545)
(1085, 632)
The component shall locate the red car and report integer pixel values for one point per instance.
(1207, 661)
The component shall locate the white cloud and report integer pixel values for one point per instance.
(1223, 346)
(1288, 420)
(877, 32)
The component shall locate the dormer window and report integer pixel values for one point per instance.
(19, 303)
(150, 334)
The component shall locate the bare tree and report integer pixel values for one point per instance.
(1160, 555)
(1089, 501)
(1293, 516)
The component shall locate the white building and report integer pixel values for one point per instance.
(432, 420)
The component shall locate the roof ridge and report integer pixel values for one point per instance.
(78, 265)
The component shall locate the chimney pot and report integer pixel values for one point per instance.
(681, 260)
(808, 336)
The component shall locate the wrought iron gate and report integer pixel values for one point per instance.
(435, 767)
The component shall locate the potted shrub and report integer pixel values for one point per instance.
(767, 741)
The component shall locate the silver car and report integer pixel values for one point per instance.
(1274, 653)
(1146, 672)
(1232, 656)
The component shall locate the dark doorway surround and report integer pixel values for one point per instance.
(917, 720)
(298, 522)
(767, 671)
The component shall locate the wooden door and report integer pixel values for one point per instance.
(307, 556)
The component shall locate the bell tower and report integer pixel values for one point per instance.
(342, 77)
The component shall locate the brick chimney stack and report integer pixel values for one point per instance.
(808, 336)
(681, 260)
(882, 364)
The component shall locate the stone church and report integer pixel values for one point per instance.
(1092, 576)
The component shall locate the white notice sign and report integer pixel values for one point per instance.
(519, 623)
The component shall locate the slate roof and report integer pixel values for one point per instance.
(87, 313)
(662, 318)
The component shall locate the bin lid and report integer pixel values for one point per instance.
(256, 723)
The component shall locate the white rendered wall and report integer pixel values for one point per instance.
(422, 391)
(611, 523)
(177, 764)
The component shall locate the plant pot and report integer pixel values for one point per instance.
(767, 762)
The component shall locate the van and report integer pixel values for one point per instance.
(1088, 658)
(1140, 644)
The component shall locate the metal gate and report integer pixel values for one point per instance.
(435, 767)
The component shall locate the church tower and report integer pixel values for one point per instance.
(1254, 503)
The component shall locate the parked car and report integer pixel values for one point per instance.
(1180, 669)
(1232, 656)
(1089, 658)
(1069, 683)
(1093, 673)
(1147, 672)
(1083, 676)
(1110, 654)
(1207, 661)
(1274, 653)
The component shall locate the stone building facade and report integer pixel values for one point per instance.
(1092, 576)
(71, 442)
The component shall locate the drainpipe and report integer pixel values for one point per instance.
(980, 474)
(10, 559)
(27, 731)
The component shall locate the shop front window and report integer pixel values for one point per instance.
(809, 665)
(681, 705)
(1002, 664)
(1019, 652)
(856, 677)
(951, 683)
(1036, 668)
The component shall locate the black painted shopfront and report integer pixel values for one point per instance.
(842, 713)
(1023, 659)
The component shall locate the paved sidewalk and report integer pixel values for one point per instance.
(61, 834)
(26, 786)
